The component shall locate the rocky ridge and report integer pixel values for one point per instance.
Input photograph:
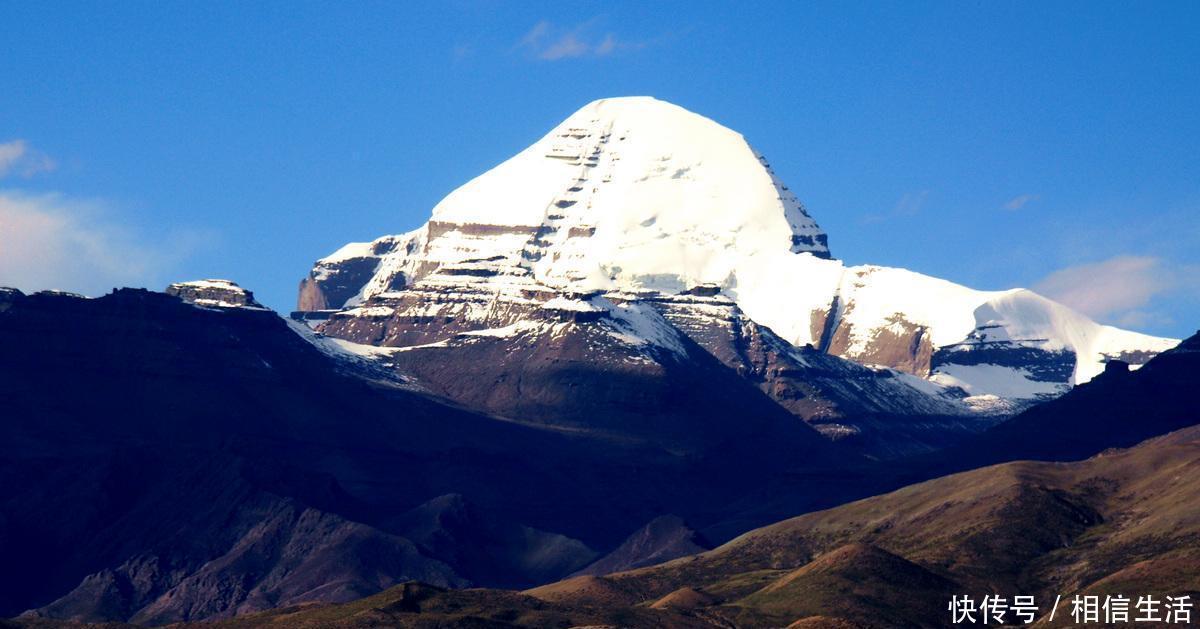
(214, 294)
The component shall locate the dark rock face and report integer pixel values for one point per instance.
(903, 345)
(330, 284)
(816, 244)
(340, 284)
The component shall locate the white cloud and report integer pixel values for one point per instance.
(1021, 201)
(607, 46)
(552, 43)
(534, 37)
(1116, 289)
(51, 242)
(10, 152)
(17, 157)
(1142, 319)
(566, 46)
(909, 205)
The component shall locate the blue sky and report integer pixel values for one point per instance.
(1048, 145)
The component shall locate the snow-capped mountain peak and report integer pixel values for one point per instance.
(625, 193)
(629, 186)
(643, 198)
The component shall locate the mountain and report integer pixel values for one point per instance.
(487, 549)
(1117, 409)
(651, 371)
(166, 461)
(662, 539)
(634, 208)
(1119, 523)
(628, 343)
(179, 457)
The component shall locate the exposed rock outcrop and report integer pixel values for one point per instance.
(213, 294)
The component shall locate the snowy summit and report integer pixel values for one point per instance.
(641, 197)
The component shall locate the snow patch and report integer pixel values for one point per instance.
(372, 311)
(640, 325)
(212, 283)
(339, 348)
(997, 380)
(508, 331)
(571, 305)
